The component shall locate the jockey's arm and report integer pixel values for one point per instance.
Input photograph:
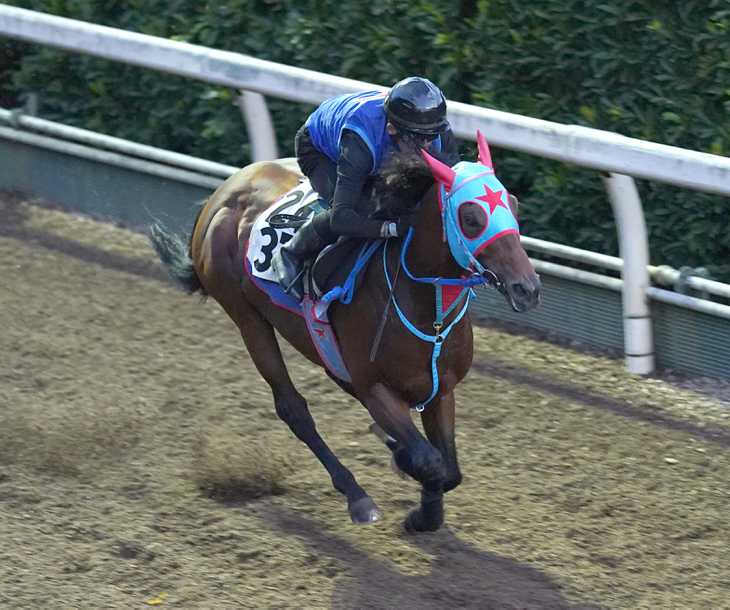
(353, 169)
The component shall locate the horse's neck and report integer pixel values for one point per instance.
(428, 255)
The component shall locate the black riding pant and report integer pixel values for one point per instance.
(322, 173)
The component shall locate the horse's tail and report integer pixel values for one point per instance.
(175, 255)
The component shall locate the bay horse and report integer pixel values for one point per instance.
(425, 348)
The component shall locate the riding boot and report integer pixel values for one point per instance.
(288, 262)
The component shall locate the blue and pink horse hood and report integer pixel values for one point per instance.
(469, 183)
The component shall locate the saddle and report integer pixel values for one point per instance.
(333, 265)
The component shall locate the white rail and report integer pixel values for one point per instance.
(617, 155)
(28, 124)
(592, 148)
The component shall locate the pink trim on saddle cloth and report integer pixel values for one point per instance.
(320, 330)
(324, 339)
(271, 289)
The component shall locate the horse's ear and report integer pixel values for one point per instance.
(441, 172)
(485, 157)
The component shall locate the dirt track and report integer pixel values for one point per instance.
(121, 397)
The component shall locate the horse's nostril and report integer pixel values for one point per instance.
(519, 290)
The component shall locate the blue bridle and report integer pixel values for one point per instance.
(476, 184)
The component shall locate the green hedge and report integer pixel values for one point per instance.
(656, 71)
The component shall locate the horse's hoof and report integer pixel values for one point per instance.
(364, 511)
(415, 522)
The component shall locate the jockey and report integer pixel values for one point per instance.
(341, 147)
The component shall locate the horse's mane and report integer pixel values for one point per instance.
(401, 184)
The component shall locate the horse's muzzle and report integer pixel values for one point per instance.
(523, 295)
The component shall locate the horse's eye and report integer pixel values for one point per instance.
(473, 219)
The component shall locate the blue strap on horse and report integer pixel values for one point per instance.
(345, 292)
(474, 280)
(439, 338)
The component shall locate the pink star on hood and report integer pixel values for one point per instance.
(492, 198)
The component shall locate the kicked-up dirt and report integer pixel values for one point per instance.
(142, 464)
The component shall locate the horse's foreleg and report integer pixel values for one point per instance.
(413, 454)
(260, 340)
(438, 422)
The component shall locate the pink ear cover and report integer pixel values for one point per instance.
(441, 172)
(485, 157)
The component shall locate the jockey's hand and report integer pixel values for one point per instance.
(398, 227)
(389, 229)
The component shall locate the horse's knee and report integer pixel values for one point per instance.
(428, 465)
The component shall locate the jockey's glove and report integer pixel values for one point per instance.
(397, 228)
(389, 229)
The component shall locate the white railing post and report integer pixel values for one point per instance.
(259, 126)
(634, 250)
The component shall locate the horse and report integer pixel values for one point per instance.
(421, 356)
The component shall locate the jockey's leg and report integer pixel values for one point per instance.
(311, 237)
(318, 167)
(413, 454)
(260, 340)
(287, 263)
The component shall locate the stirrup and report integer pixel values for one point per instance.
(291, 284)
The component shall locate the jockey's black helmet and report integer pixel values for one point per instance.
(415, 104)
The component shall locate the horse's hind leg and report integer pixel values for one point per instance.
(260, 340)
